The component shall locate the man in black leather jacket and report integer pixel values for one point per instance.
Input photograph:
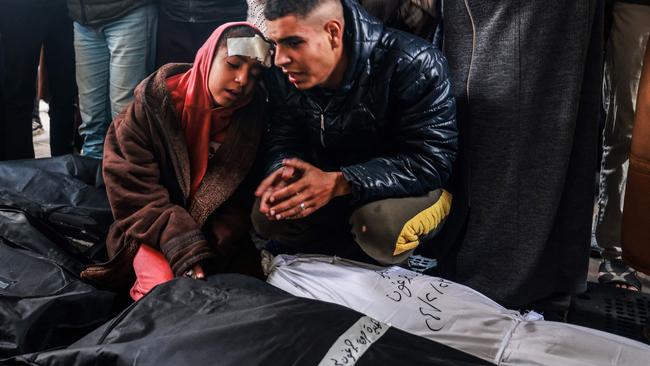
(362, 134)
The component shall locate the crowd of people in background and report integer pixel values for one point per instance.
(516, 144)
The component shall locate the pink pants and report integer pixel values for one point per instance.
(151, 269)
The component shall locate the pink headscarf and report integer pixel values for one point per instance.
(201, 121)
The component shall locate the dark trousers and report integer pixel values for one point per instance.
(179, 41)
(369, 233)
(24, 30)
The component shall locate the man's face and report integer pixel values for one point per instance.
(303, 50)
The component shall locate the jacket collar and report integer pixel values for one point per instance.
(362, 34)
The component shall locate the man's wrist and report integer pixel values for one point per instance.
(341, 185)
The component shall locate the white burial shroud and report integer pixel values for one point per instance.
(451, 314)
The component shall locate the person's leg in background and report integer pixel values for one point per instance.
(182, 30)
(59, 61)
(132, 42)
(22, 32)
(199, 33)
(179, 41)
(622, 72)
(92, 59)
(171, 41)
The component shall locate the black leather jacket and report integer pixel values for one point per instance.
(97, 12)
(390, 128)
(197, 11)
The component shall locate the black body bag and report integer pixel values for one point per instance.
(237, 320)
(43, 303)
(66, 192)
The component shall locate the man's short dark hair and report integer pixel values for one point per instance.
(276, 9)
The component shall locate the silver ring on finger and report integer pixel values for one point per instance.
(302, 207)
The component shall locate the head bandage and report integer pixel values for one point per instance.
(253, 47)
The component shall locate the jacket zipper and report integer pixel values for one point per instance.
(321, 111)
(190, 6)
(322, 129)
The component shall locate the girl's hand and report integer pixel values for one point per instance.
(196, 272)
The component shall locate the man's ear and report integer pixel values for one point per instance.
(335, 30)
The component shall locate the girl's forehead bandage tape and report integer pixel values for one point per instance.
(253, 47)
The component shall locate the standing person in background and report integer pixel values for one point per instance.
(529, 100)
(114, 42)
(26, 26)
(623, 63)
(184, 25)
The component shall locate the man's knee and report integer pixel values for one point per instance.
(261, 224)
(390, 230)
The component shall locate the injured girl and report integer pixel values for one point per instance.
(175, 164)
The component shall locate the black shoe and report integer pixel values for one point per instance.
(617, 273)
